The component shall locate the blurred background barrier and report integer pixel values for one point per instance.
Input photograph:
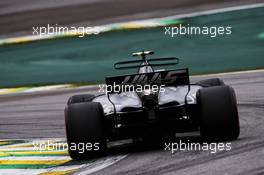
(90, 59)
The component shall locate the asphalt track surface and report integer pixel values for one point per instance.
(18, 17)
(40, 115)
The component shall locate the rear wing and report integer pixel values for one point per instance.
(176, 77)
(153, 62)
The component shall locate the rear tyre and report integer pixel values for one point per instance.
(211, 82)
(85, 130)
(80, 98)
(219, 119)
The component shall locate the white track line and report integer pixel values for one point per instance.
(39, 171)
(22, 171)
(30, 142)
(195, 14)
(33, 158)
(145, 21)
(230, 73)
(100, 165)
(210, 12)
(87, 166)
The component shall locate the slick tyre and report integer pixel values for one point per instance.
(80, 98)
(219, 119)
(85, 130)
(211, 82)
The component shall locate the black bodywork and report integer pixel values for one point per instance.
(151, 118)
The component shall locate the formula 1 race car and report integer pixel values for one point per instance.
(149, 104)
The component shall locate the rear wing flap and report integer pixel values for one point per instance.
(154, 62)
